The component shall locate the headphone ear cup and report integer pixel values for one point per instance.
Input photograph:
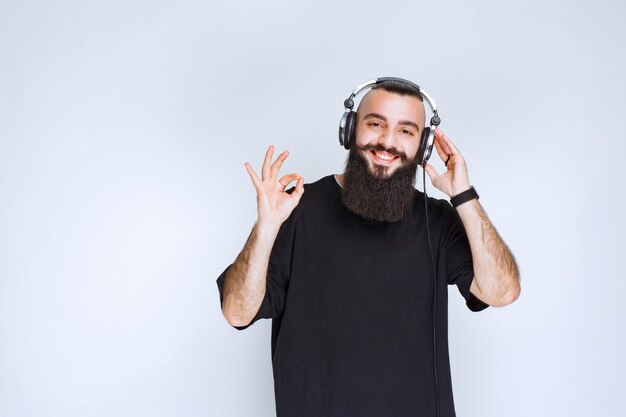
(426, 145)
(349, 130)
(346, 126)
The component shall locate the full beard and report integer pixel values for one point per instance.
(375, 196)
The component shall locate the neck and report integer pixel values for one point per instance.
(339, 179)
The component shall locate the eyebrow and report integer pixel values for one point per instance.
(383, 118)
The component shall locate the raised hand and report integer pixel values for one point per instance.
(455, 180)
(274, 204)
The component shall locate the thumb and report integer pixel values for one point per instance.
(431, 171)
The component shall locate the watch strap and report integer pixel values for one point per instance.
(463, 197)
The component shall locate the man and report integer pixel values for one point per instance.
(345, 271)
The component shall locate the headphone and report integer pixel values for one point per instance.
(347, 138)
(348, 120)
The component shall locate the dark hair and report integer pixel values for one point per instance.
(400, 88)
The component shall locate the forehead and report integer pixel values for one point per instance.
(393, 106)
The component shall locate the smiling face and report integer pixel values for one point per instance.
(388, 130)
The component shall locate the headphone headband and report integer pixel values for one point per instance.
(349, 102)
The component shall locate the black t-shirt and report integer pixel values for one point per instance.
(352, 307)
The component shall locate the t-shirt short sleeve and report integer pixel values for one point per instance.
(277, 279)
(459, 266)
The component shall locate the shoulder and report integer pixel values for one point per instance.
(326, 184)
(442, 217)
(324, 187)
(319, 193)
(438, 208)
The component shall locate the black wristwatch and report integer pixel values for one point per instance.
(464, 197)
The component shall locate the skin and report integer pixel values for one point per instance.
(245, 283)
(396, 125)
(392, 121)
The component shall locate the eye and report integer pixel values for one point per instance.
(374, 124)
(407, 132)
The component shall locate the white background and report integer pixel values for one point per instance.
(124, 127)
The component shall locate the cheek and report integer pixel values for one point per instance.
(410, 148)
(364, 136)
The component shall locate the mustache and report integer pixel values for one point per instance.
(395, 152)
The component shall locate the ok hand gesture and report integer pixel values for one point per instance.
(274, 204)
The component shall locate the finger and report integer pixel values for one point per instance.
(288, 178)
(448, 143)
(438, 133)
(431, 171)
(441, 138)
(266, 163)
(299, 190)
(446, 158)
(444, 145)
(277, 164)
(442, 154)
(253, 176)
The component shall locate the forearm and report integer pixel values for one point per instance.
(245, 282)
(496, 274)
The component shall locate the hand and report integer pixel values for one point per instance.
(455, 180)
(274, 205)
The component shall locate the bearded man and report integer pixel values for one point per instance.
(355, 280)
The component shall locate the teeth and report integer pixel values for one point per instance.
(385, 156)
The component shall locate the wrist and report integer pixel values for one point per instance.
(267, 228)
(459, 189)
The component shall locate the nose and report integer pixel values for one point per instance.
(387, 139)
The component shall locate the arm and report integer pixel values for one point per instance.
(244, 286)
(245, 282)
(496, 276)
